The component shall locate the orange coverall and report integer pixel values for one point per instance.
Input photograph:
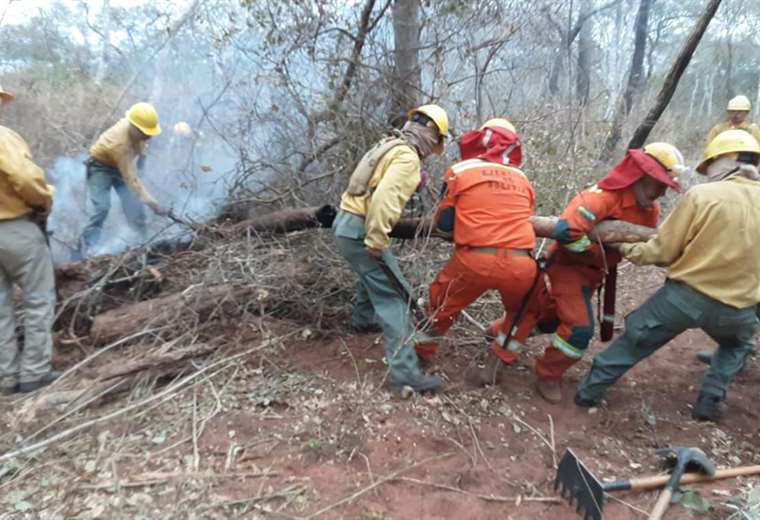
(576, 268)
(494, 238)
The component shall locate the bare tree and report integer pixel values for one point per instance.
(671, 81)
(625, 104)
(405, 84)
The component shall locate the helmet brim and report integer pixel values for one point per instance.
(666, 179)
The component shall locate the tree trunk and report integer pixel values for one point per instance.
(406, 81)
(105, 44)
(585, 48)
(671, 81)
(625, 104)
(555, 73)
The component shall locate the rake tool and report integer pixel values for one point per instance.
(577, 483)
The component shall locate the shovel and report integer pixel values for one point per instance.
(577, 483)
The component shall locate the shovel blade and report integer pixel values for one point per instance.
(578, 485)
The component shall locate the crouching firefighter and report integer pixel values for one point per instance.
(487, 208)
(577, 265)
(378, 190)
(709, 245)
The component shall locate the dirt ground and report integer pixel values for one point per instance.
(305, 429)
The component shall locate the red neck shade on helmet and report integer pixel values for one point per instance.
(497, 145)
(634, 166)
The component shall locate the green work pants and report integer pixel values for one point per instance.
(376, 290)
(25, 261)
(674, 308)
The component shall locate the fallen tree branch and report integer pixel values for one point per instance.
(197, 303)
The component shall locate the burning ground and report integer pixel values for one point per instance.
(218, 379)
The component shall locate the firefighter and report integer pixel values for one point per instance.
(487, 208)
(737, 112)
(577, 264)
(379, 188)
(709, 245)
(25, 261)
(114, 161)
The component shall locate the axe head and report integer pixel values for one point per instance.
(686, 460)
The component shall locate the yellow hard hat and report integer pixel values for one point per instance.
(499, 122)
(740, 103)
(6, 96)
(145, 118)
(182, 129)
(668, 156)
(730, 141)
(438, 116)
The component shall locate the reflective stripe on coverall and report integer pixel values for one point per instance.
(575, 271)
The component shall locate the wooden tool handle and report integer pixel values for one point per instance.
(639, 484)
(663, 502)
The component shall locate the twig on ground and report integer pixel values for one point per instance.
(540, 436)
(372, 486)
(285, 493)
(163, 396)
(553, 441)
(488, 498)
(156, 478)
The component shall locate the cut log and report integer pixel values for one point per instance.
(608, 231)
(195, 304)
(288, 220)
(293, 220)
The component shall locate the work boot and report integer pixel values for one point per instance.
(418, 382)
(8, 385)
(708, 408)
(487, 374)
(550, 390)
(372, 328)
(584, 402)
(31, 386)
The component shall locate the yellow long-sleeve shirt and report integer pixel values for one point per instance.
(23, 188)
(710, 242)
(393, 182)
(726, 125)
(117, 149)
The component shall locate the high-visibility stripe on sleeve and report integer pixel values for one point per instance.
(580, 245)
(586, 213)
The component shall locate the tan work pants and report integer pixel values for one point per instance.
(25, 261)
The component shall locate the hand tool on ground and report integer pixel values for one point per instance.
(682, 459)
(578, 484)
